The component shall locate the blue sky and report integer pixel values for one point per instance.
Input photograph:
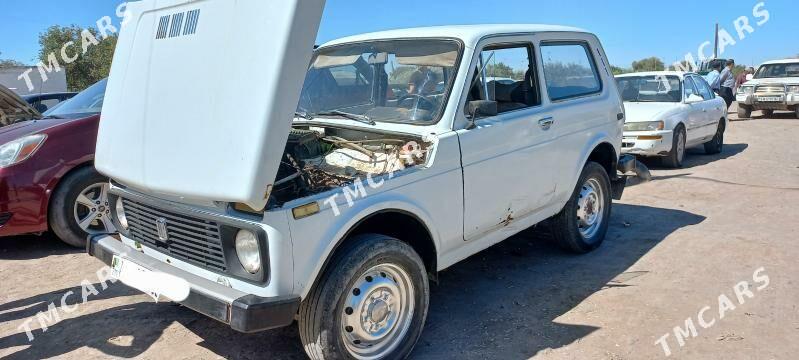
(629, 29)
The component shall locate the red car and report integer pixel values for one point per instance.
(47, 175)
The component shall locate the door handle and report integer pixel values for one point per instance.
(546, 122)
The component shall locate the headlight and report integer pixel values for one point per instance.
(644, 126)
(794, 89)
(120, 210)
(20, 150)
(748, 90)
(248, 252)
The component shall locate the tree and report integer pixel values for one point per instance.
(8, 63)
(649, 64)
(619, 70)
(88, 66)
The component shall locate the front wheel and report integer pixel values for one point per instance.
(79, 207)
(582, 224)
(677, 154)
(371, 303)
(744, 112)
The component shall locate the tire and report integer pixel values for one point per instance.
(796, 112)
(716, 145)
(744, 112)
(768, 113)
(569, 228)
(677, 154)
(330, 323)
(66, 209)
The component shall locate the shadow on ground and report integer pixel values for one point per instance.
(499, 304)
(696, 157)
(34, 247)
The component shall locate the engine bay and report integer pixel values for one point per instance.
(318, 159)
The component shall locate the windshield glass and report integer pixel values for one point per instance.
(89, 101)
(394, 81)
(778, 71)
(650, 88)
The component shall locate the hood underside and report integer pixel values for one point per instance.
(202, 94)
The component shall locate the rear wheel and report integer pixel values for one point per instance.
(79, 207)
(582, 224)
(677, 154)
(370, 304)
(744, 112)
(716, 145)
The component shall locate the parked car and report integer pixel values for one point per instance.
(668, 112)
(775, 86)
(47, 177)
(366, 197)
(46, 101)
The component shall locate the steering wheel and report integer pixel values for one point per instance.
(420, 98)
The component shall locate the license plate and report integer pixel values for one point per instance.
(769, 99)
(149, 282)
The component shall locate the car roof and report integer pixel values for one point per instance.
(679, 74)
(783, 61)
(469, 34)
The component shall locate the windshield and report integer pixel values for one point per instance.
(89, 101)
(778, 71)
(650, 88)
(393, 81)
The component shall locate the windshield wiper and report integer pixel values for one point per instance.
(362, 118)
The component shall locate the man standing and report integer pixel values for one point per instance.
(741, 78)
(713, 77)
(727, 83)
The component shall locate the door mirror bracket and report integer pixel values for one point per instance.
(480, 108)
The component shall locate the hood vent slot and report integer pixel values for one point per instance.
(192, 19)
(177, 24)
(162, 27)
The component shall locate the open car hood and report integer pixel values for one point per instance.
(201, 96)
(13, 109)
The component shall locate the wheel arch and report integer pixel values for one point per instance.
(398, 223)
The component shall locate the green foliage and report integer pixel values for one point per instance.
(502, 70)
(649, 64)
(618, 70)
(8, 63)
(401, 75)
(91, 65)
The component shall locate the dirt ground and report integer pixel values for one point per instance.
(676, 245)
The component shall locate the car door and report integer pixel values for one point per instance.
(713, 107)
(508, 158)
(696, 112)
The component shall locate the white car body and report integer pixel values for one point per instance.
(771, 93)
(699, 116)
(468, 195)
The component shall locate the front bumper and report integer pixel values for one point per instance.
(647, 143)
(786, 102)
(241, 311)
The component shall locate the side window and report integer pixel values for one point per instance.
(569, 70)
(704, 88)
(510, 79)
(690, 87)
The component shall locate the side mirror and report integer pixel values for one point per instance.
(480, 108)
(693, 99)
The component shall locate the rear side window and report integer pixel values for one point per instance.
(704, 88)
(569, 70)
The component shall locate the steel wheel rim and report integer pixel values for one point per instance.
(680, 146)
(590, 208)
(91, 210)
(377, 312)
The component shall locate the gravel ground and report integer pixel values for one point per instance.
(676, 245)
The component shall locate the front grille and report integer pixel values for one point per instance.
(770, 89)
(191, 239)
(4, 217)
